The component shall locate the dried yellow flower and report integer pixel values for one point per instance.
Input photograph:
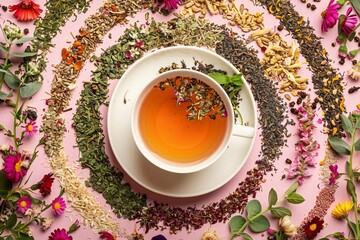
(341, 210)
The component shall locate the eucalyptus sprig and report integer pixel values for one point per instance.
(256, 219)
(26, 87)
(351, 126)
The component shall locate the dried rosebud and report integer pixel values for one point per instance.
(287, 226)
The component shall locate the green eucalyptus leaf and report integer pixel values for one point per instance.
(356, 5)
(295, 198)
(29, 89)
(346, 124)
(272, 198)
(280, 212)
(3, 49)
(219, 77)
(292, 188)
(352, 226)
(23, 54)
(245, 236)
(24, 40)
(350, 187)
(339, 145)
(12, 81)
(253, 208)
(4, 95)
(347, 167)
(14, 197)
(259, 224)
(5, 184)
(10, 223)
(236, 223)
(357, 145)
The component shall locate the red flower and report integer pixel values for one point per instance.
(45, 184)
(27, 10)
(313, 227)
(107, 235)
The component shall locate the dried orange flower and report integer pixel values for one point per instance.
(81, 50)
(83, 32)
(70, 61)
(64, 53)
(77, 44)
(78, 65)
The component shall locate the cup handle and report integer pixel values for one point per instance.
(243, 131)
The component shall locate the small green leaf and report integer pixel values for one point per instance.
(10, 223)
(357, 145)
(352, 226)
(259, 224)
(12, 81)
(24, 40)
(4, 95)
(30, 89)
(346, 124)
(347, 167)
(3, 194)
(5, 184)
(14, 197)
(350, 187)
(219, 77)
(3, 49)
(351, 36)
(36, 201)
(236, 223)
(339, 145)
(272, 198)
(356, 5)
(245, 236)
(237, 79)
(292, 188)
(253, 208)
(295, 198)
(23, 54)
(357, 125)
(280, 212)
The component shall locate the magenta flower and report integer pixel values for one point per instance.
(140, 44)
(330, 16)
(31, 128)
(13, 168)
(60, 234)
(349, 22)
(334, 174)
(24, 203)
(58, 205)
(128, 55)
(107, 235)
(169, 4)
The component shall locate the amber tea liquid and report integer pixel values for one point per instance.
(168, 133)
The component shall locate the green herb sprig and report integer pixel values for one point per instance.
(232, 86)
(351, 126)
(255, 218)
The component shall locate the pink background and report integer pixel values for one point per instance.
(273, 180)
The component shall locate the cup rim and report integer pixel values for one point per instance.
(167, 164)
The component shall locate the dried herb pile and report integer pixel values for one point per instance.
(327, 82)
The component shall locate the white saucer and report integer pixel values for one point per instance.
(123, 144)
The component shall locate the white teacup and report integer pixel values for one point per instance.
(142, 125)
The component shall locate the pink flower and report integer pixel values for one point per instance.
(128, 55)
(349, 22)
(107, 235)
(24, 203)
(60, 234)
(334, 174)
(13, 168)
(140, 44)
(169, 4)
(31, 128)
(330, 16)
(58, 205)
(27, 10)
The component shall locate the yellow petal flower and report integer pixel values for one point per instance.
(341, 210)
